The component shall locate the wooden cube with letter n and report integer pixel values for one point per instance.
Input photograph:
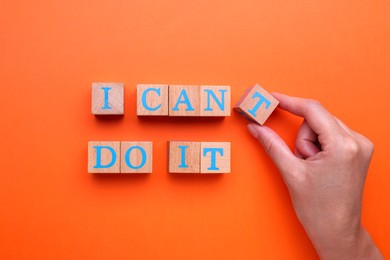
(103, 157)
(215, 101)
(256, 104)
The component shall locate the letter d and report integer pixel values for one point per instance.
(98, 164)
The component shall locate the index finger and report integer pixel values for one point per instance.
(317, 117)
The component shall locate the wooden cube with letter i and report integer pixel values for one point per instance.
(184, 157)
(107, 98)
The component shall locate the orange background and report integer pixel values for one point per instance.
(51, 52)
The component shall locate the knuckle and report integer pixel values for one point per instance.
(313, 103)
(268, 145)
(357, 148)
(351, 147)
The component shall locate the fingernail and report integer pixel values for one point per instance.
(252, 130)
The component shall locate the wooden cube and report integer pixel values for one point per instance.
(256, 104)
(107, 98)
(184, 100)
(104, 157)
(215, 157)
(184, 157)
(215, 100)
(136, 157)
(152, 100)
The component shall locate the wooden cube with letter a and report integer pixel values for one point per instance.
(215, 157)
(103, 157)
(136, 157)
(256, 104)
(152, 100)
(184, 157)
(215, 101)
(184, 100)
(107, 99)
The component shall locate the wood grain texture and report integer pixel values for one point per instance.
(209, 106)
(191, 162)
(253, 104)
(140, 157)
(222, 157)
(107, 98)
(178, 94)
(156, 100)
(106, 156)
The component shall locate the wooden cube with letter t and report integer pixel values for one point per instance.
(215, 157)
(256, 104)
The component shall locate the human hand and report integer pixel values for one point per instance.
(325, 177)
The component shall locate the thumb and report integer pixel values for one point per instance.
(276, 148)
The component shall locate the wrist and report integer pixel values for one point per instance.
(356, 244)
